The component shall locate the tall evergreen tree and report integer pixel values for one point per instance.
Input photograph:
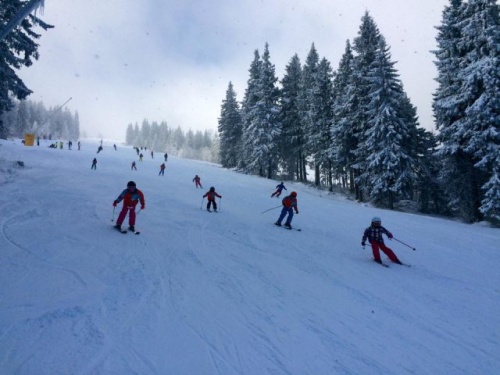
(481, 85)
(365, 45)
(230, 130)
(17, 49)
(263, 121)
(344, 140)
(129, 136)
(321, 138)
(249, 102)
(309, 104)
(466, 103)
(293, 137)
(390, 163)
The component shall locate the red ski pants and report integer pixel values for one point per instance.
(376, 246)
(123, 213)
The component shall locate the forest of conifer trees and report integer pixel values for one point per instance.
(160, 137)
(355, 128)
(27, 116)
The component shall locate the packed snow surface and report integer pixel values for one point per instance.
(228, 293)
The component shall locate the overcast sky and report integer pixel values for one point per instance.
(123, 61)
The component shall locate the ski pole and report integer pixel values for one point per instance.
(113, 215)
(270, 209)
(201, 205)
(411, 247)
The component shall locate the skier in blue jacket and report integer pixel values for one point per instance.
(279, 189)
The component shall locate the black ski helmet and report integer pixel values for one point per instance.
(212, 189)
(131, 183)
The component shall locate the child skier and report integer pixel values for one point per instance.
(130, 196)
(197, 181)
(374, 235)
(162, 170)
(94, 164)
(211, 194)
(279, 188)
(133, 167)
(289, 205)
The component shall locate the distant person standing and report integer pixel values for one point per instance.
(162, 169)
(94, 164)
(197, 181)
(279, 189)
(114, 145)
(141, 156)
(152, 154)
(165, 156)
(79, 145)
(289, 205)
(133, 167)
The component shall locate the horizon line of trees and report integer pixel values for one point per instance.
(356, 127)
(27, 116)
(162, 138)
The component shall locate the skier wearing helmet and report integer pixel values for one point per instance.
(211, 194)
(130, 196)
(374, 235)
(289, 205)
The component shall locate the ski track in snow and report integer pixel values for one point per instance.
(227, 293)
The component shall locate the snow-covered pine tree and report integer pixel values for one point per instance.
(365, 45)
(390, 165)
(247, 113)
(320, 138)
(490, 205)
(293, 137)
(17, 49)
(310, 104)
(129, 135)
(480, 73)
(230, 130)
(264, 122)
(344, 141)
(466, 104)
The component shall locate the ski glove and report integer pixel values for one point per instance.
(389, 235)
(115, 203)
(142, 207)
(363, 244)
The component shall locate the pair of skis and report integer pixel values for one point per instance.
(123, 231)
(285, 227)
(387, 266)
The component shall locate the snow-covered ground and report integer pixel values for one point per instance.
(228, 293)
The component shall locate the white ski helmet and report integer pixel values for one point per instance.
(376, 219)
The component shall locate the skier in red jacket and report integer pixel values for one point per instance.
(130, 196)
(197, 181)
(211, 194)
(289, 205)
